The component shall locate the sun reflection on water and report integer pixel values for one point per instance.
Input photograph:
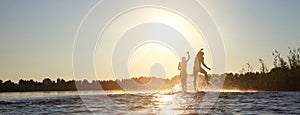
(179, 103)
(166, 104)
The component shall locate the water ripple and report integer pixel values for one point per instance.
(179, 103)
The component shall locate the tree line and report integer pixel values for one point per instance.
(61, 85)
(284, 76)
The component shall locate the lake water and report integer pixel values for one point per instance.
(117, 102)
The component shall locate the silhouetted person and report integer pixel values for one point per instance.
(183, 74)
(199, 60)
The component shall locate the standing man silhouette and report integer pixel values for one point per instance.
(183, 74)
(199, 60)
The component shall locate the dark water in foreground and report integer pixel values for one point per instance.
(119, 103)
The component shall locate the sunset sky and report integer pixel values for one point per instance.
(37, 37)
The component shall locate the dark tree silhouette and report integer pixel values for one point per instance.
(263, 68)
(278, 60)
(249, 68)
(47, 81)
(294, 58)
(282, 77)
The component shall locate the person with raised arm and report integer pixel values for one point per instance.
(183, 73)
(199, 60)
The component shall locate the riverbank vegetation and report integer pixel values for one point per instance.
(284, 76)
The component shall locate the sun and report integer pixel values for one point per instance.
(145, 56)
(152, 14)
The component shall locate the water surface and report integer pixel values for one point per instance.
(117, 102)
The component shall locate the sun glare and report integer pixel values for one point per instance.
(114, 32)
(144, 56)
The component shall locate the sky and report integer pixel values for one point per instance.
(37, 37)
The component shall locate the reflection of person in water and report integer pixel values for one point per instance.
(183, 74)
(197, 68)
